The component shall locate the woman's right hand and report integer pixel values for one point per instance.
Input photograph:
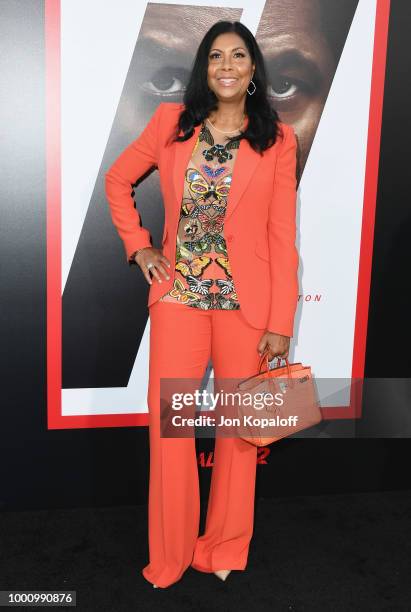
(150, 255)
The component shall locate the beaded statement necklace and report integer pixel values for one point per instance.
(221, 152)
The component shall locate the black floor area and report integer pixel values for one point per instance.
(329, 552)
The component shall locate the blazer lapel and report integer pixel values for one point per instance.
(244, 167)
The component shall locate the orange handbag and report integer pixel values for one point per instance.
(296, 406)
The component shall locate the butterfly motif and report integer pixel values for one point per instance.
(195, 210)
(199, 186)
(194, 267)
(205, 135)
(219, 151)
(191, 228)
(188, 209)
(226, 303)
(213, 208)
(181, 293)
(204, 303)
(225, 264)
(198, 247)
(226, 286)
(211, 224)
(191, 209)
(216, 150)
(219, 243)
(182, 252)
(210, 172)
(199, 286)
(204, 244)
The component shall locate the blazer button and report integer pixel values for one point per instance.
(230, 237)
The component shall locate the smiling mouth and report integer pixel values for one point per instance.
(227, 82)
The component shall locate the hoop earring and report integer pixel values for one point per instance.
(255, 87)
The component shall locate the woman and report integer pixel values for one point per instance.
(224, 285)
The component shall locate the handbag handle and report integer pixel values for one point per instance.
(265, 355)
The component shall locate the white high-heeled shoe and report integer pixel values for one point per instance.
(222, 574)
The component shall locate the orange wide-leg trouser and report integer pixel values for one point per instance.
(182, 340)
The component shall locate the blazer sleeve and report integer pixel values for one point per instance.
(284, 258)
(132, 163)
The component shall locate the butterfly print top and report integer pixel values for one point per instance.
(203, 274)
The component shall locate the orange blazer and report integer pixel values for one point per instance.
(260, 220)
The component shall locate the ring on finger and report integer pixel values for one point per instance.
(150, 265)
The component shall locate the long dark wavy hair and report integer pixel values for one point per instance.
(199, 100)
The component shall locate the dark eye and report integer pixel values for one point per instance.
(283, 87)
(240, 53)
(166, 82)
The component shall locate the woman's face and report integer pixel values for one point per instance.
(230, 67)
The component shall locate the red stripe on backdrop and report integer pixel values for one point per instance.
(368, 218)
(53, 205)
(53, 262)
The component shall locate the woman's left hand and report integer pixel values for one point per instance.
(276, 345)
